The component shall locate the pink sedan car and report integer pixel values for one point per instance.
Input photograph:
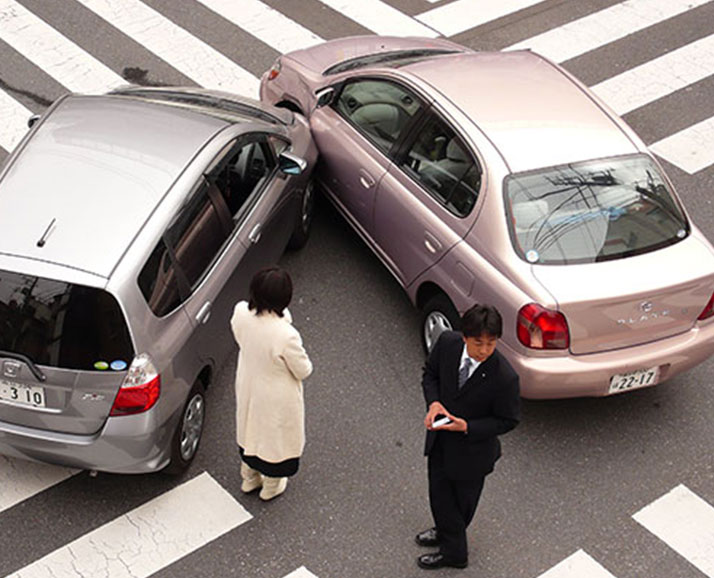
(500, 178)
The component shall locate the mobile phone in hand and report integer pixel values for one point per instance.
(441, 420)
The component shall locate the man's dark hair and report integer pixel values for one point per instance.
(481, 319)
(271, 289)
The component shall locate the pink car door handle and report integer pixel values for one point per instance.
(204, 313)
(431, 244)
(366, 179)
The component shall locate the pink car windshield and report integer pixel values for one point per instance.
(592, 211)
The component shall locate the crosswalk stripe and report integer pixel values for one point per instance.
(20, 480)
(685, 522)
(13, 120)
(58, 56)
(462, 15)
(380, 17)
(265, 23)
(577, 565)
(660, 77)
(186, 53)
(301, 572)
(605, 26)
(691, 149)
(148, 538)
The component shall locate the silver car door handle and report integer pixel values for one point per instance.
(204, 313)
(254, 235)
(366, 179)
(431, 244)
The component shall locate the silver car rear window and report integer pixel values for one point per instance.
(592, 211)
(59, 324)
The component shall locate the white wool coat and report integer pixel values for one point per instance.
(272, 363)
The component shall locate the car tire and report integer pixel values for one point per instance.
(303, 223)
(184, 443)
(438, 315)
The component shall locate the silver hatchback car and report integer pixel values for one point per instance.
(498, 177)
(129, 225)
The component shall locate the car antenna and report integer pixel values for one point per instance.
(43, 239)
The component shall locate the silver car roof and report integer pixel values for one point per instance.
(535, 115)
(92, 174)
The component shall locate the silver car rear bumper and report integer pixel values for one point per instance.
(127, 444)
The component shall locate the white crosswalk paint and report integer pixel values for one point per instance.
(20, 480)
(462, 15)
(301, 572)
(691, 149)
(685, 522)
(605, 26)
(13, 121)
(660, 77)
(149, 537)
(577, 565)
(380, 17)
(265, 23)
(186, 53)
(49, 50)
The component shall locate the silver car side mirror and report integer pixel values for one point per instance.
(324, 97)
(291, 164)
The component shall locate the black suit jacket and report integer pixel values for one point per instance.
(489, 401)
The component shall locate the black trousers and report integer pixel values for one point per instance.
(453, 504)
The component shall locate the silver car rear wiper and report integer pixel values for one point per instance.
(36, 371)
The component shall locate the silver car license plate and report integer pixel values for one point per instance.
(23, 394)
(634, 379)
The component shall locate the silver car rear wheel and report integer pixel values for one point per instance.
(438, 315)
(192, 427)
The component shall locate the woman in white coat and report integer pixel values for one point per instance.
(269, 394)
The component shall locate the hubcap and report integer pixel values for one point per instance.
(434, 325)
(308, 198)
(192, 427)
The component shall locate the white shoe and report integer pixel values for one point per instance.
(272, 487)
(252, 479)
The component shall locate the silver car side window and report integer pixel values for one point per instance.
(443, 164)
(380, 109)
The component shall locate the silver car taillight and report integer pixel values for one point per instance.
(140, 389)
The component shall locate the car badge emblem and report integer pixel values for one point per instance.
(646, 306)
(11, 368)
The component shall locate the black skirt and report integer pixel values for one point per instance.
(282, 469)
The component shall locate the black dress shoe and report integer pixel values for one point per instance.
(428, 538)
(437, 560)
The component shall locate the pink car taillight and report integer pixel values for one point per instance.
(140, 389)
(708, 310)
(541, 328)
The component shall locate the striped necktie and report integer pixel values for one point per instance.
(464, 372)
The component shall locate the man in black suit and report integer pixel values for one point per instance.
(472, 385)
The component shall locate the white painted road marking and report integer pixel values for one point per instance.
(605, 26)
(54, 53)
(148, 538)
(577, 565)
(691, 149)
(265, 23)
(301, 572)
(13, 121)
(660, 77)
(186, 53)
(380, 17)
(462, 15)
(20, 480)
(685, 522)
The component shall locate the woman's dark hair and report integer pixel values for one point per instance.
(481, 319)
(271, 289)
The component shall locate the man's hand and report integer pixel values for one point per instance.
(435, 409)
